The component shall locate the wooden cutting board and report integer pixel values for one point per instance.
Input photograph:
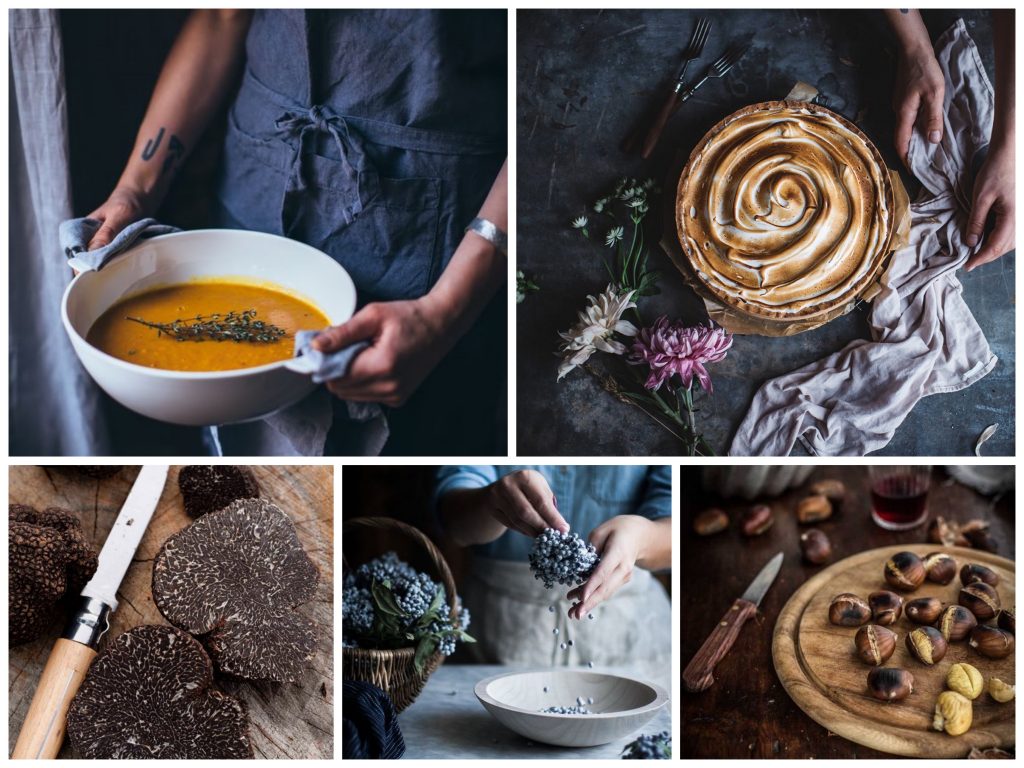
(815, 662)
(288, 721)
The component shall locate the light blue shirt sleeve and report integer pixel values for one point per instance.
(657, 499)
(458, 477)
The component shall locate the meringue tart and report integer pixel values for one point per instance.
(785, 211)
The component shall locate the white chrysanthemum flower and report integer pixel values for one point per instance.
(600, 204)
(580, 222)
(595, 328)
(614, 235)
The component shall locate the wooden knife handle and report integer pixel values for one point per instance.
(668, 108)
(42, 733)
(698, 675)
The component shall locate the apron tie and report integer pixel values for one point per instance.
(321, 120)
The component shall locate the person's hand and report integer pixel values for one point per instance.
(619, 542)
(993, 196)
(124, 206)
(918, 97)
(407, 340)
(523, 501)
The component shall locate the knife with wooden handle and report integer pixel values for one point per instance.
(42, 733)
(699, 673)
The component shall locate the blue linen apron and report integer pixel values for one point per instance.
(375, 137)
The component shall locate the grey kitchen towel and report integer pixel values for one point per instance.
(333, 366)
(924, 339)
(75, 235)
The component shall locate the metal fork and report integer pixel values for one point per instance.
(694, 49)
(718, 68)
(672, 102)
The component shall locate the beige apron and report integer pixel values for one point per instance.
(512, 623)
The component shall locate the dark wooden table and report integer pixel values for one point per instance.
(747, 713)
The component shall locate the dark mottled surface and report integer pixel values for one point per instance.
(584, 78)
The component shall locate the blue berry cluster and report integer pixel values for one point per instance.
(386, 603)
(562, 558)
(657, 746)
(573, 710)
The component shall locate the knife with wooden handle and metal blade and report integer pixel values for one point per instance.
(43, 730)
(698, 675)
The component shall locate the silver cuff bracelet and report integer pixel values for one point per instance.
(490, 232)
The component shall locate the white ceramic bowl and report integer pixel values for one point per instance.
(218, 397)
(622, 705)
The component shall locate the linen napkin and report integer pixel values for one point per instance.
(924, 338)
(75, 234)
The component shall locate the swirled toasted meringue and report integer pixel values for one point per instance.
(785, 210)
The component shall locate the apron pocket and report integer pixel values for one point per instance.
(391, 247)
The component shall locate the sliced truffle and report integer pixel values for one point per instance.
(206, 488)
(234, 578)
(49, 558)
(149, 694)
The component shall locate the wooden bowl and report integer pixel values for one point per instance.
(622, 705)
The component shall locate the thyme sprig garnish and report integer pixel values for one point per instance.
(231, 326)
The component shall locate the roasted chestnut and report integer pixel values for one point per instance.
(953, 713)
(833, 490)
(757, 520)
(710, 521)
(924, 610)
(875, 644)
(813, 509)
(927, 645)
(992, 642)
(976, 533)
(939, 567)
(816, 547)
(905, 571)
(890, 684)
(849, 610)
(973, 572)
(955, 623)
(1007, 619)
(980, 599)
(886, 607)
(1000, 691)
(965, 680)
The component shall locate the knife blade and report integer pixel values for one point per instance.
(42, 733)
(699, 673)
(123, 539)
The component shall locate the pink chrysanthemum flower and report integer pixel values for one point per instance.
(672, 348)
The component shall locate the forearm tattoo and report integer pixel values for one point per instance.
(175, 151)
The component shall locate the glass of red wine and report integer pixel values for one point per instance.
(899, 496)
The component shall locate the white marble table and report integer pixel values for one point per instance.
(446, 721)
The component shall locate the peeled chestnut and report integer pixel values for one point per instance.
(992, 642)
(875, 644)
(927, 644)
(924, 610)
(833, 490)
(710, 522)
(890, 684)
(849, 610)
(980, 599)
(1007, 619)
(973, 572)
(955, 623)
(757, 520)
(939, 567)
(886, 607)
(816, 547)
(905, 571)
(813, 509)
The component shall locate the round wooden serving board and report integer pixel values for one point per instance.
(815, 662)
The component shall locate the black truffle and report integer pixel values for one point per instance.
(206, 488)
(149, 694)
(234, 577)
(49, 558)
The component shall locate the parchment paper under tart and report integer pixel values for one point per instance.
(880, 192)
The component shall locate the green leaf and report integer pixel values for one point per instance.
(425, 649)
(384, 600)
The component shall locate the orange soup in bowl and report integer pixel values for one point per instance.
(208, 325)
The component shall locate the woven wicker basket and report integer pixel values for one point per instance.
(394, 671)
